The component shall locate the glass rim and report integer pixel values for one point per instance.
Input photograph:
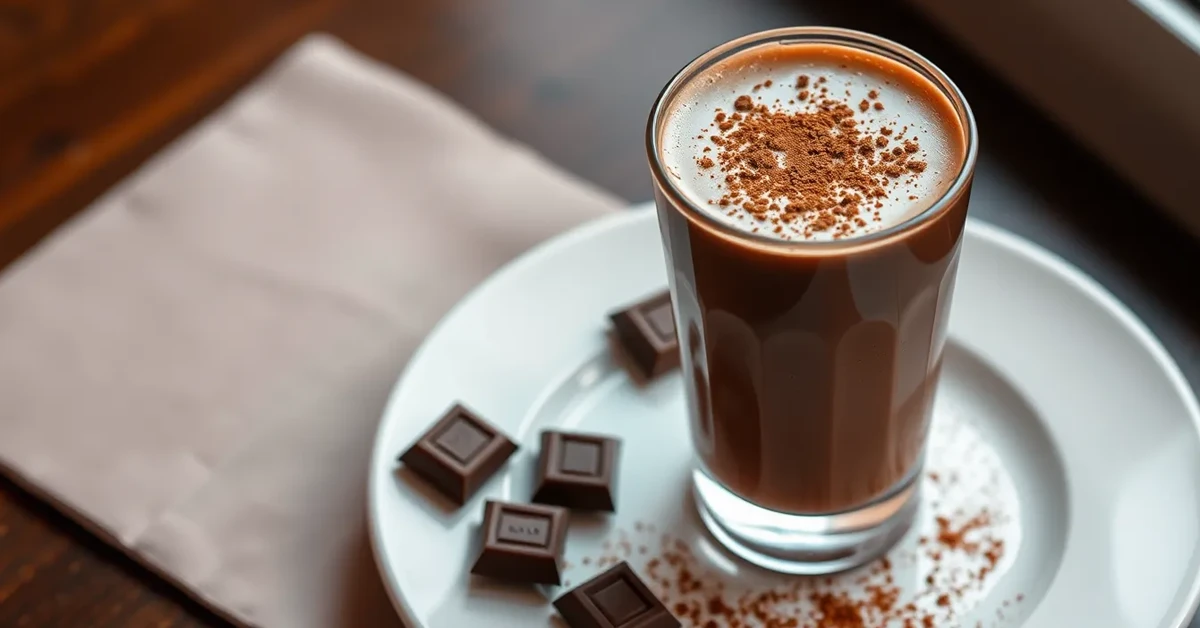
(859, 40)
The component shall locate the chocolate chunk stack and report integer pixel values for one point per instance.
(524, 543)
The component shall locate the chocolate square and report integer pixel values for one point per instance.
(616, 598)
(462, 440)
(577, 471)
(459, 453)
(580, 457)
(619, 602)
(647, 333)
(522, 542)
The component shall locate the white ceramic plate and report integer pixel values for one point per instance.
(1059, 414)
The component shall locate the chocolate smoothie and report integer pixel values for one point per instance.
(812, 199)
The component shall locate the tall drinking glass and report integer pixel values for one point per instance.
(810, 363)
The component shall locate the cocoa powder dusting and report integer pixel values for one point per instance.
(934, 579)
(817, 167)
(866, 598)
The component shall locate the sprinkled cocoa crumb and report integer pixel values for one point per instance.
(872, 94)
(767, 83)
(808, 171)
(867, 598)
(878, 106)
(911, 147)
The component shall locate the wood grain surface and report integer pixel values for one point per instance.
(89, 89)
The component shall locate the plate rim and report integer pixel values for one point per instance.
(1045, 259)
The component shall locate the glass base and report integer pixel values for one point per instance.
(806, 544)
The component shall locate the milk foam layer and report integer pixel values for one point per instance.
(913, 107)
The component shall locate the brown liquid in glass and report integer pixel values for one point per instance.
(812, 377)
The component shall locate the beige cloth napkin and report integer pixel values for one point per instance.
(195, 366)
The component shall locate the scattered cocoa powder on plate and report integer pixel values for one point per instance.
(960, 555)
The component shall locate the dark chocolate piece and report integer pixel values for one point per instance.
(616, 598)
(577, 471)
(647, 332)
(459, 453)
(522, 542)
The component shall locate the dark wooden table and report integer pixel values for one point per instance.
(90, 88)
